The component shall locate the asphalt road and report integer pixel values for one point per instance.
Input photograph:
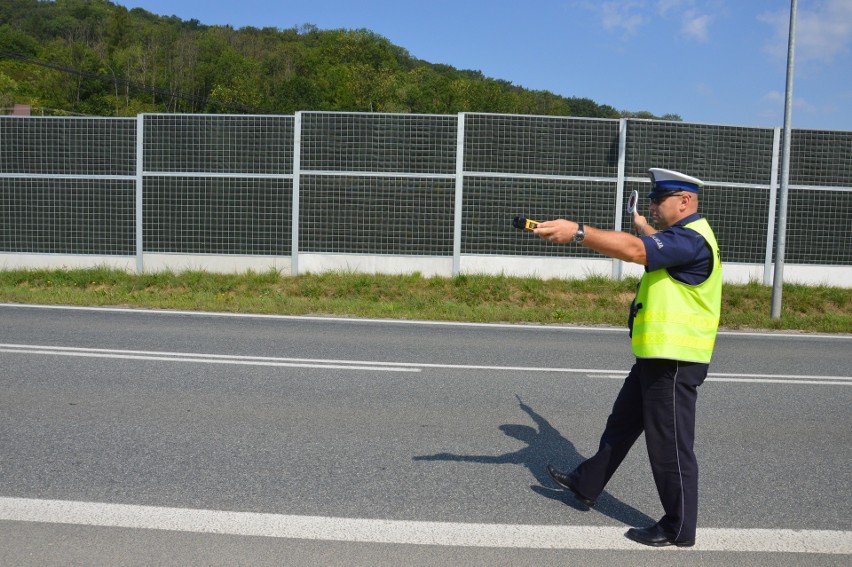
(393, 443)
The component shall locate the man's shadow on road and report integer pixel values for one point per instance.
(542, 445)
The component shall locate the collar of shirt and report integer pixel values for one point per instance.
(686, 220)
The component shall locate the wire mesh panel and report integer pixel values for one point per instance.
(717, 154)
(491, 203)
(560, 151)
(67, 216)
(219, 215)
(230, 186)
(67, 146)
(540, 145)
(378, 143)
(821, 158)
(736, 165)
(819, 221)
(377, 183)
(195, 143)
(376, 215)
(60, 186)
(819, 227)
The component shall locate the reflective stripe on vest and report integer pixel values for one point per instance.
(678, 321)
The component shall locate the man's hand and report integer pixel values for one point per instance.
(621, 245)
(640, 224)
(559, 231)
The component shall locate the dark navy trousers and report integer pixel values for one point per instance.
(657, 398)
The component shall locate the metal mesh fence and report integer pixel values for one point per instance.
(377, 183)
(218, 184)
(66, 185)
(393, 184)
(538, 167)
(195, 143)
(736, 165)
(376, 215)
(491, 203)
(714, 154)
(191, 215)
(67, 146)
(378, 143)
(67, 216)
(819, 227)
(821, 158)
(540, 145)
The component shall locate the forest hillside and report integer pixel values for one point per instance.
(93, 57)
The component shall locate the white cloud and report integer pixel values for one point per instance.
(630, 16)
(823, 33)
(773, 106)
(804, 105)
(665, 7)
(774, 96)
(696, 26)
(625, 16)
(776, 47)
(827, 33)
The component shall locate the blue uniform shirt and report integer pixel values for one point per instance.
(682, 251)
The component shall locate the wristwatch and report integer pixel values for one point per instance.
(580, 235)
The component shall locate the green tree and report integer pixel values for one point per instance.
(96, 56)
(8, 91)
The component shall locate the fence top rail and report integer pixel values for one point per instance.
(714, 124)
(548, 116)
(34, 117)
(395, 114)
(66, 176)
(182, 114)
(739, 126)
(403, 114)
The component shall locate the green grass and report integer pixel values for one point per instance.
(480, 298)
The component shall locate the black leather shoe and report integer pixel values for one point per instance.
(655, 537)
(564, 480)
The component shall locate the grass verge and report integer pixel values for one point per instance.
(479, 298)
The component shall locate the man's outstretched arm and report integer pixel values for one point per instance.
(614, 244)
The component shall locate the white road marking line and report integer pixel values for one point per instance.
(721, 375)
(405, 531)
(198, 358)
(209, 358)
(759, 378)
(827, 382)
(527, 326)
(415, 366)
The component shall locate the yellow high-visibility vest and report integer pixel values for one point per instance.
(675, 320)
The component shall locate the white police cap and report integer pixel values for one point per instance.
(667, 181)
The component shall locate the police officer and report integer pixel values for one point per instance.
(673, 323)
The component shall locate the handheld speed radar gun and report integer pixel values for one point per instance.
(524, 223)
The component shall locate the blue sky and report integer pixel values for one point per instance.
(710, 61)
